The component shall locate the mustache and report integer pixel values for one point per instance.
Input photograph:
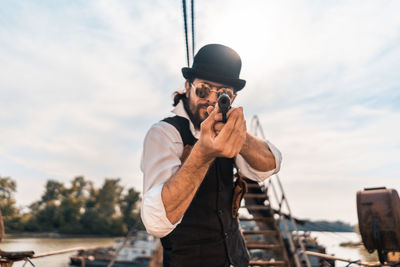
(205, 106)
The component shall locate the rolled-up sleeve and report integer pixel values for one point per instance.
(247, 171)
(160, 161)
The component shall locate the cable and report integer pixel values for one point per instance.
(326, 229)
(350, 263)
(192, 5)
(27, 260)
(130, 233)
(186, 32)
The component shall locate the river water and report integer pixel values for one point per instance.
(330, 240)
(43, 245)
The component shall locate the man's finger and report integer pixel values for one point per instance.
(234, 121)
(226, 131)
(218, 127)
(210, 109)
(237, 139)
(218, 117)
(209, 121)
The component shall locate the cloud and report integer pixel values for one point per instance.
(82, 82)
(79, 87)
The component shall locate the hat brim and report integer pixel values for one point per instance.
(190, 73)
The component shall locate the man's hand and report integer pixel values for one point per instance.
(218, 125)
(228, 140)
(254, 150)
(178, 192)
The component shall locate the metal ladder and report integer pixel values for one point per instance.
(263, 238)
(268, 236)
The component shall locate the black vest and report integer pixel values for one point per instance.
(207, 235)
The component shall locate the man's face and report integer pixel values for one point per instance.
(197, 105)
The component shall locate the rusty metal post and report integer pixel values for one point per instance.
(83, 259)
(1, 227)
(6, 263)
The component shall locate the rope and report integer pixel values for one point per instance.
(330, 257)
(350, 263)
(186, 31)
(28, 260)
(131, 231)
(329, 230)
(192, 5)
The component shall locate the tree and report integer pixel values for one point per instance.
(54, 191)
(7, 187)
(72, 205)
(101, 215)
(128, 208)
(79, 208)
(45, 213)
(10, 212)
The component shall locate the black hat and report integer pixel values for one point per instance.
(216, 63)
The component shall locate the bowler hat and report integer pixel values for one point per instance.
(216, 63)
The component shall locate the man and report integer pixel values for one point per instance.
(188, 163)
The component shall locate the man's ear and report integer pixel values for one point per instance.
(233, 98)
(187, 88)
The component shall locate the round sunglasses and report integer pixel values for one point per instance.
(203, 90)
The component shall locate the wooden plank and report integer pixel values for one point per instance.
(260, 232)
(251, 195)
(266, 263)
(263, 246)
(256, 207)
(16, 255)
(258, 219)
(253, 186)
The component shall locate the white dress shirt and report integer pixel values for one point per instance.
(162, 151)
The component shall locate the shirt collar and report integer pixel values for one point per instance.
(180, 111)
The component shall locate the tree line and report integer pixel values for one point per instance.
(76, 208)
(320, 226)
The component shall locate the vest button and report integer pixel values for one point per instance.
(226, 235)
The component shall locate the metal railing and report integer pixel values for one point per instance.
(282, 203)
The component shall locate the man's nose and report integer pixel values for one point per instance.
(212, 98)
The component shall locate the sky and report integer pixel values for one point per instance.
(81, 82)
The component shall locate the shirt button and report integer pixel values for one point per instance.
(220, 212)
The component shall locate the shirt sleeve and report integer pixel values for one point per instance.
(247, 171)
(160, 161)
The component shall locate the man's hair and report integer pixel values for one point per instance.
(180, 95)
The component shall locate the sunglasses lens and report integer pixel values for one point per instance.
(202, 90)
(228, 91)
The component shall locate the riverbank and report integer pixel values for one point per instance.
(53, 235)
(331, 240)
(49, 244)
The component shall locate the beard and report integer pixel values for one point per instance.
(194, 112)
